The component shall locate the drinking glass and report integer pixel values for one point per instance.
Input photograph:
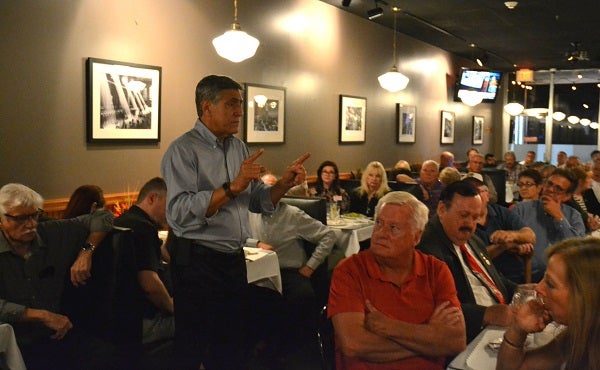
(524, 293)
(334, 212)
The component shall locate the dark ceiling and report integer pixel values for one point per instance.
(536, 34)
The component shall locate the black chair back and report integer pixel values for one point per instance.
(315, 207)
(498, 177)
(414, 189)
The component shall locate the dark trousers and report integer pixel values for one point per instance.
(210, 297)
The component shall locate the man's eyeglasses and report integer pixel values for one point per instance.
(21, 219)
(555, 188)
(526, 184)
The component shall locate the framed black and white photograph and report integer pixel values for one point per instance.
(353, 119)
(265, 114)
(447, 127)
(123, 102)
(477, 130)
(406, 119)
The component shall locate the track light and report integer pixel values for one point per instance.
(374, 13)
(346, 2)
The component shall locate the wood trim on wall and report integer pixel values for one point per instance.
(55, 208)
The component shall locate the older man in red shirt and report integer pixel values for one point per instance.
(393, 307)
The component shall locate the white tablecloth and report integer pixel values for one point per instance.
(8, 346)
(263, 268)
(349, 233)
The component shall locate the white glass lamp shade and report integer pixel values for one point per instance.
(573, 119)
(393, 81)
(594, 125)
(514, 109)
(236, 45)
(471, 98)
(558, 116)
(585, 122)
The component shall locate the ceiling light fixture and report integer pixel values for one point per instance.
(375, 12)
(235, 44)
(585, 122)
(511, 4)
(393, 81)
(558, 116)
(346, 2)
(471, 98)
(514, 108)
(573, 119)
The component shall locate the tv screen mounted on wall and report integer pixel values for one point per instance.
(485, 82)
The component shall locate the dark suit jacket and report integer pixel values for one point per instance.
(435, 242)
(591, 202)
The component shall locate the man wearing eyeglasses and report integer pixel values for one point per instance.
(393, 307)
(550, 218)
(34, 262)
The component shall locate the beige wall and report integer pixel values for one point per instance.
(42, 94)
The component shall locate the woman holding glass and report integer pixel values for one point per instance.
(373, 185)
(569, 296)
(328, 186)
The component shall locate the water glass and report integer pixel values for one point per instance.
(334, 211)
(523, 294)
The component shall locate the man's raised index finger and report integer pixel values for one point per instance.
(301, 159)
(254, 156)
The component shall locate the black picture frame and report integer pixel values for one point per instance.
(406, 123)
(353, 119)
(123, 102)
(478, 122)
(447, 128)
(264, 116)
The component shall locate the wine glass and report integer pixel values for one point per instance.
(523, 294)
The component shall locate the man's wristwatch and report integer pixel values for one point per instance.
(88, 247)
(228, 191)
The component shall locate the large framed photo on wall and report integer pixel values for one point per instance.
(123, 102)
(477, 130)
(406, 120)
(447, 127)
(265, 114)
(353, 119)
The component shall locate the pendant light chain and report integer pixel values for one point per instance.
(395, 32)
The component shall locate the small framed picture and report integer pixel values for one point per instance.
(477, 130)
(265, 114)
(353, 119)
(123, 102)
(406, 120)
(447, 127)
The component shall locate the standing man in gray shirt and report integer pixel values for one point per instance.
(212, 180)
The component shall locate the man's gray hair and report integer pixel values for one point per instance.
(210, 88)
(15, 195)
(431, 161)
(420, 212)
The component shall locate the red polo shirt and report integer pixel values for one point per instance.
(358, 278)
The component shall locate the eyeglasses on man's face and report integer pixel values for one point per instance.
(549, 185)
(21, 219)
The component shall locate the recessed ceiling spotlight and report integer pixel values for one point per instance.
(511, 4)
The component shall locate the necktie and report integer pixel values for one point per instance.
(480, 274)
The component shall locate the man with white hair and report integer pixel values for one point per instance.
(35, 260)
(392, 306)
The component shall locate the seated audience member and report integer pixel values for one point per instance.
(373, 185)
(561, 159)
(446, 160)
(449, 175)
(550, 218)
(401, 172)
(584, 180)
(475, 165)
(328, 186)
(450, 236)
(512, 168)
(530, 185)
(490, 161)
(569, 296)
(591, 196)
(546, 170)
(85, 199)
(36, 259)
(393, 307)
(573, 161)
(463, 167)
(430, 185)
(507, 238)
(146, 218)
(285, 231)
(529, 159)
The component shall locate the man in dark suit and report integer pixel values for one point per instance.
(482, 290)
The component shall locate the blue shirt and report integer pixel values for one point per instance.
(501, 218)
(547, 230)
(194, 166)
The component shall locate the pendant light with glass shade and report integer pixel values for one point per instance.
(514, 108)
(393, 81)
(235, 44)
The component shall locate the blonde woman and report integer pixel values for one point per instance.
(373, 185)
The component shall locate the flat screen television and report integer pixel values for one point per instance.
(486, 82)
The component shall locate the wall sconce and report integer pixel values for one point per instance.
(235, 44)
